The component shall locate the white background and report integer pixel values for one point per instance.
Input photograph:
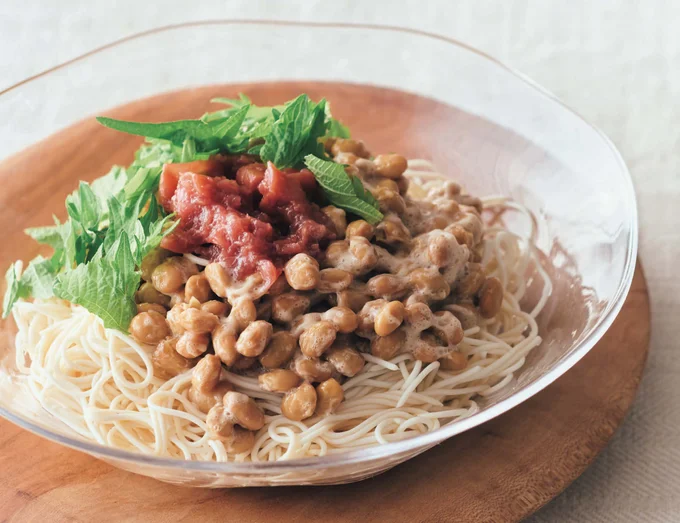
(617, 62)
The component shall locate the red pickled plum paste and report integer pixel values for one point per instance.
(248, 216)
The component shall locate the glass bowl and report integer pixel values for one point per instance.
(422, 95)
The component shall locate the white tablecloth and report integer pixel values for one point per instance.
(617, 62)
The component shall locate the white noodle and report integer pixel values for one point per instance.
(196, 259)
(100, 382)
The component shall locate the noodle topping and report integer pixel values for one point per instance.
(254, 220)
(292, 295)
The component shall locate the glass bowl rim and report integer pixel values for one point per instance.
(423, 441)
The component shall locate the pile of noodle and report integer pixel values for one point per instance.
(101, 382)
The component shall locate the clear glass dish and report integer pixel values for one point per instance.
(472, 116)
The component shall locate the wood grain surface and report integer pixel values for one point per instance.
(500, 471)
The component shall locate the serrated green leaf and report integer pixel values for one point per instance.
(102, 289)
(255, 113)
(50, 235)
(207, 135)
(14, 289)
(175, 131)
(188, 150)
(316, 131)
(153, 154)
(105, 286)
(68, 241)
(83, 207)
(142, 181)
(234, 102)
(286, 138)
(295, 132)
(83, 235)
(36, 281)
(156, 232)
(231, 126)
(337, 129)
(256, 124)
(259, 129)
(124, 219)
(109, 184)
(122, 257)
(341, 190)
(38, 278)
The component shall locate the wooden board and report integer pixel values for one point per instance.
(500, 471)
